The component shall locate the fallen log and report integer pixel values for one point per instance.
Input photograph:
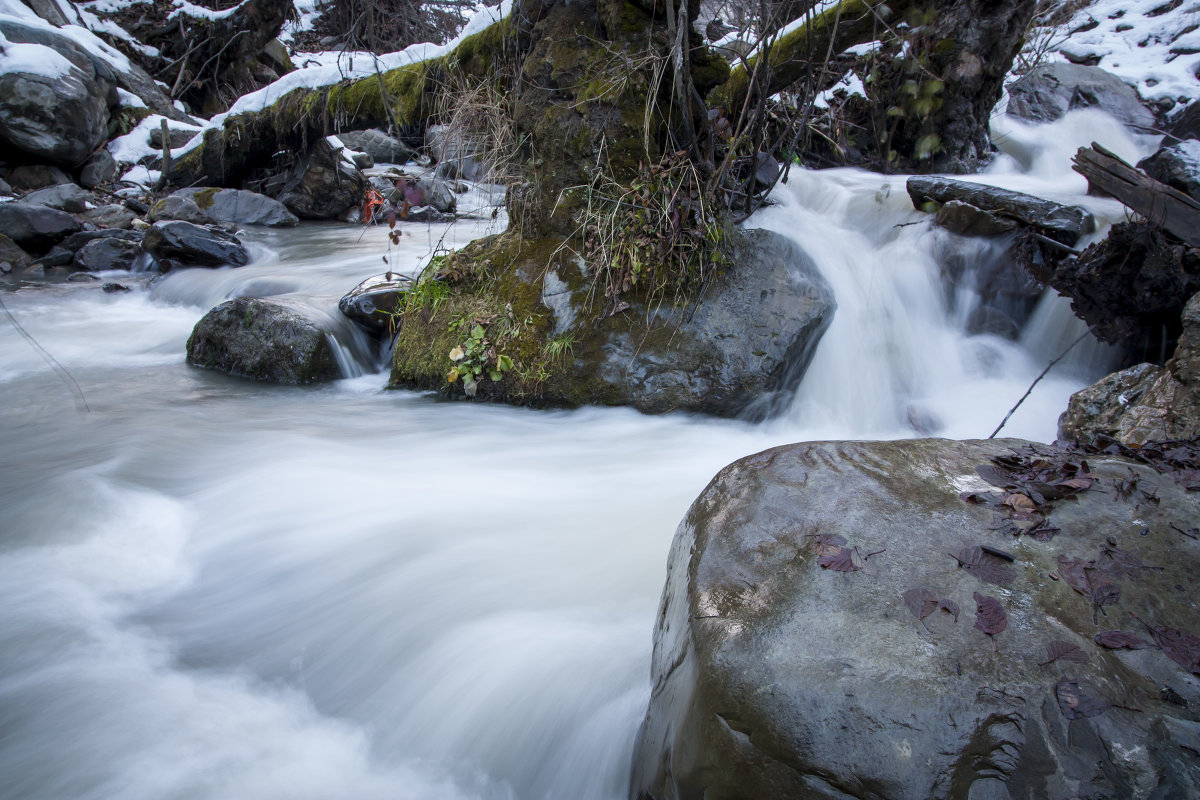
(1064, 224)
(1161, 205)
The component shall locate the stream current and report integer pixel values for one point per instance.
(213, 589)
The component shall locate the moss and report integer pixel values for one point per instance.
(204, 197)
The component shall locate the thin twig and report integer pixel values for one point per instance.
(49, 359)
(1060, 357)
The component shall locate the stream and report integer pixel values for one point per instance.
(211, 588)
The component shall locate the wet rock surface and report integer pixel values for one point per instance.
(1145, 402)
(35, 226)
(1063, 223)
(1130, 288)
(818, 637)
(262, 340)
(371, 304)
(192, 245)
(234, 207)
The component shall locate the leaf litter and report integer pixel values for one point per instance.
(990, 617)
(922, 602)
(987, 564)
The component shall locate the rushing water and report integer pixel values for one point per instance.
(211, 588)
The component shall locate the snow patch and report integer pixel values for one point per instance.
(185, 9)
(32, 59)
(1156, 54)
(129, 99)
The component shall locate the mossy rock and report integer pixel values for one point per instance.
(739, 348)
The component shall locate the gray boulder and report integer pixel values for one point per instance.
(126, 75)
(1049, 91)
(1064, 223)
(262, 340)
(35, 226)
(99, 169)
(818, 639)
(64, 197)
(60, 116)
(1176, 165)
(1144, 402)
(178, 137)
(5, 189)
(745, 347)
(322, 185)
(105, 254)
(193, 246)
(378, 145)
(239, 207)
(371, 304)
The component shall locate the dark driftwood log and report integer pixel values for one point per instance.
(1160, 204)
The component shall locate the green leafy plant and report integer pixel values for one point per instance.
(476, 358)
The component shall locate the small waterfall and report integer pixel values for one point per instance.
(901, 341)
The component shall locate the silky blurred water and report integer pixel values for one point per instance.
(211, 588)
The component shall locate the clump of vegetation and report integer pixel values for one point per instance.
(658, 236)
(476, 357)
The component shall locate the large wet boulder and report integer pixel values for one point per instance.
(322, 185)
(107, 253)
(263, 340)
(1049, 91)
(839, 622)
(35, 226)
(53, 104)
(977, 208)
(1144, 402)
(740, 348)
(193, 246)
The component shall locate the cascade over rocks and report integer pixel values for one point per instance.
(1145, 402)
(264, 340)
(1049, 91)
(789, 662)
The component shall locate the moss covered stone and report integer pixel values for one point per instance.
(748, 339)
